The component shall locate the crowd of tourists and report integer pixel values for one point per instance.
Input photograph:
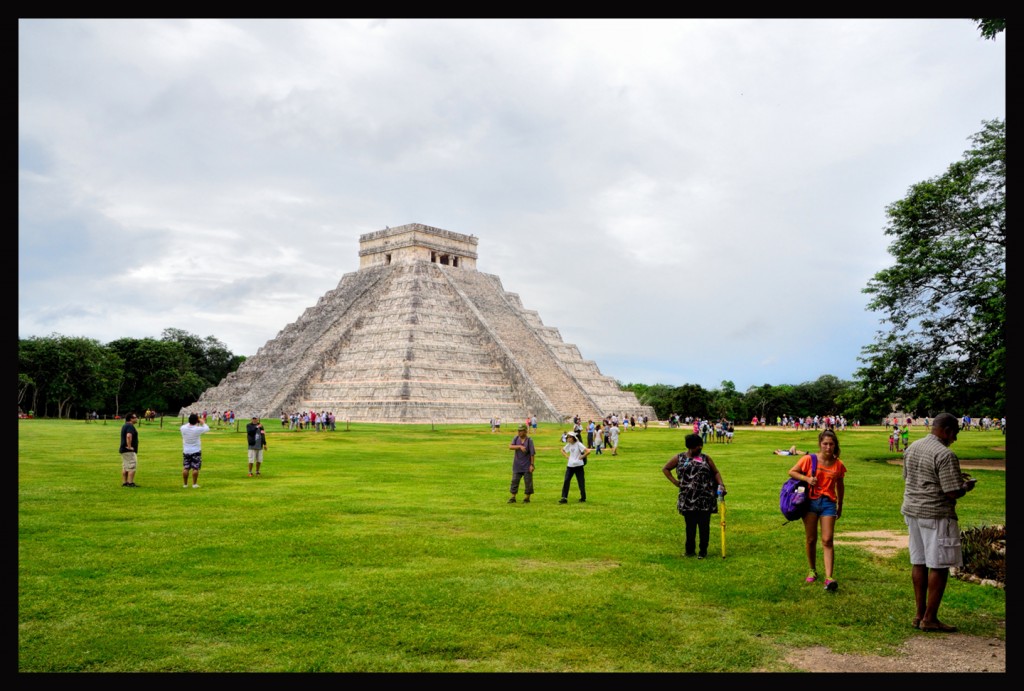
(323, 421)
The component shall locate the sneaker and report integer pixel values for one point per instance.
(563, 500)
(583, 501)
(701, 556)
(511, 500)
(132, 484)
(831, 585)
(124, 484)
(250, 474)
(195, 486)
(183, 486)
(811, 577)
(526, 501)
(257, 472)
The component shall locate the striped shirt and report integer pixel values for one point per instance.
(930, 470)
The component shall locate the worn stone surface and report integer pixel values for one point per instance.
(417, 334)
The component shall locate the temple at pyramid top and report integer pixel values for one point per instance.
(417, 242)
(418, 334)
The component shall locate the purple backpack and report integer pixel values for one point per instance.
(793, 496)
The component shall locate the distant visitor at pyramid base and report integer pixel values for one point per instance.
(418, 335)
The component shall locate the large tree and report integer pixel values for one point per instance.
(727, 403)
(157, 375)
(211, 359)
(944, 298)
(824, 395)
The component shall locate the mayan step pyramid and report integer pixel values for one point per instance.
(418, 335)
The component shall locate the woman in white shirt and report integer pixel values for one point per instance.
(576, 453)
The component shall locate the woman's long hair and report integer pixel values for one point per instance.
(829, 433)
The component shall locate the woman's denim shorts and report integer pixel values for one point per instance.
(823, 506)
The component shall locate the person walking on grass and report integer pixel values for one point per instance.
(257, 439)
(192, 450)
(933, 484)
(825, 490)
(129, 450)
(522, 463)
(613, 438)
(576, 454)
(698, 481)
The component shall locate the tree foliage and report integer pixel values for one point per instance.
(826, 395)
(158, 374)
(59, 374)
(66, 376)
(944, 298)
(210, 359)
(989, 28)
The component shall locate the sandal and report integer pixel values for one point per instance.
(811, 577)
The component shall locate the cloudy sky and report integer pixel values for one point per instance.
(688, 201)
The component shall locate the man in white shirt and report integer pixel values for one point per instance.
(613, 438)
(191, 449)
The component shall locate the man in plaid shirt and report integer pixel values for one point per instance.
(933, 484)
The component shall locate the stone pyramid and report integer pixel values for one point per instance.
(417, 334)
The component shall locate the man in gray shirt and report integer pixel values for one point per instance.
(933, 484)
(522, 463)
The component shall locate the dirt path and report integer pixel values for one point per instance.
(925, 652)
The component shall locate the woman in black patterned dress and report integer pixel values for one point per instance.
(698, 481)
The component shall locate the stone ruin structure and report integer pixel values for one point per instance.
(418, 335)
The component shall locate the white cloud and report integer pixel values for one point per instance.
(718, 186)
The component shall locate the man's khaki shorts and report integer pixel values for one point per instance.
(128, 460)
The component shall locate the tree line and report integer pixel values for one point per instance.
(827, 395)
(70, 377)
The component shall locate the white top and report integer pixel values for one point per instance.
(575, 451)
(190, 437)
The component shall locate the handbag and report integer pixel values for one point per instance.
(793, 495)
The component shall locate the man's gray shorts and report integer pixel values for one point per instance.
(934, 542)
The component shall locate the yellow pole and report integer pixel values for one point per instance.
(721, 517)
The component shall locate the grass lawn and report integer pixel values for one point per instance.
(391, 548)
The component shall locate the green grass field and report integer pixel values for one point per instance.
(391, 548)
